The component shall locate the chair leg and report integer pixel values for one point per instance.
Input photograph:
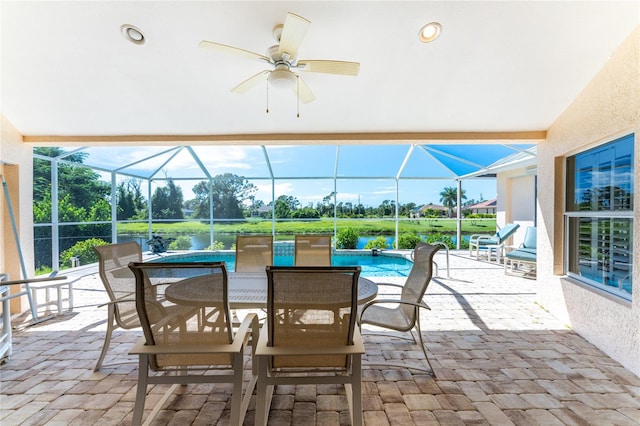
(264, 393)
(141, 391)
(356, 391)
(237, 417)
(107, 337)
(422, 346)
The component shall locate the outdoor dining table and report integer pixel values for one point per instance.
(247, 290)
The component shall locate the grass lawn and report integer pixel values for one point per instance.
(319, 226)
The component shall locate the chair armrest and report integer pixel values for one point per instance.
(115, 302)
(476, 237)
(263, 350)
(388, 301)
(33, 280)
(140, 348)
(389, 285)
(249, 327)
(250, 322)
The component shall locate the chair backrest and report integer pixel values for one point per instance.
(506, 231)
(183, 319)
(312, 250)
(253, 252)
(419, 277)
(530, 238)
(117, 278)
(311, 307)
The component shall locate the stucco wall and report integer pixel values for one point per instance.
(609, 107)
(516, 189)
(16, 165)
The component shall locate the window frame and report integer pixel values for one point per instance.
(570, 235)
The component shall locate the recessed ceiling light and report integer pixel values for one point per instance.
(132, 34)
(430, 32)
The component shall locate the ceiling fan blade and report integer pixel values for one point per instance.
(304, 92)
(251, 82)
(329, 67)
(219, 47)
(293, 32)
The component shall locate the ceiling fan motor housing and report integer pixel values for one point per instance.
(282, 78)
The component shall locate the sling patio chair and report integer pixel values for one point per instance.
(120, 284)
(180, 348)
(312, 250)
(310, 335)
(253, 252)
(403, 314)
(492, 243)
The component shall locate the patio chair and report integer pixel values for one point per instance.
(491, 243)
(120, 284)
(310, 335)
(29, 287)
(312, 250)
(403, 314)
(179, 348)
(524, 255)
(253, 252)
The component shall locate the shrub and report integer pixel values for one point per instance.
(217, 245)
(437, 237)
(408, 241)
(378, 243)
(83, 250)
(181, 243)
(347, 238)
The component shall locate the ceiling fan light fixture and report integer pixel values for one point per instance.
(430, 32)
(132, 34)
(282, 79)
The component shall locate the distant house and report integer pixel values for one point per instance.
(429, 210)
(484, 207)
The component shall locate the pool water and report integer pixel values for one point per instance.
(372, 266)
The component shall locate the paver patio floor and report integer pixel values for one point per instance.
(500, 359)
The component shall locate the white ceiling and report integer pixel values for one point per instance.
(497, 67)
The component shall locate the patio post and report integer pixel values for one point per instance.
(459, 218)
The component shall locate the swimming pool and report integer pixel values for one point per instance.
(383, 265)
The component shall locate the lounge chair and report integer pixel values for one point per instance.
(403, 314)
(492, 243)
(310, 335)
(524, 257)
(312, 250)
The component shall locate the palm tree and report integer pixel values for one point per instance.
(449, 198)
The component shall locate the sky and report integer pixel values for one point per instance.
(366, 174)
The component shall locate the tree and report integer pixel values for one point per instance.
(131, 203)
(82, 197)
(285, 205)
(449, 198)
(80, 184)
(229, 193)
(166, 202)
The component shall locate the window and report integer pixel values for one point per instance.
(599, 216)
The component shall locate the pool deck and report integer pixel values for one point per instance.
(500, 359)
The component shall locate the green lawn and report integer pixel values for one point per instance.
(287, 228)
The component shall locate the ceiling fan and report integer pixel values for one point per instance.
(284, 62)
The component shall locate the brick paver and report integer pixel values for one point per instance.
(500, 359)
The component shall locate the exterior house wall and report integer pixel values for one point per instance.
(16, 166)
(517, 187)
(608, 108)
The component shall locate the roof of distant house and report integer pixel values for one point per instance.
(432, 207)
(484, 204)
